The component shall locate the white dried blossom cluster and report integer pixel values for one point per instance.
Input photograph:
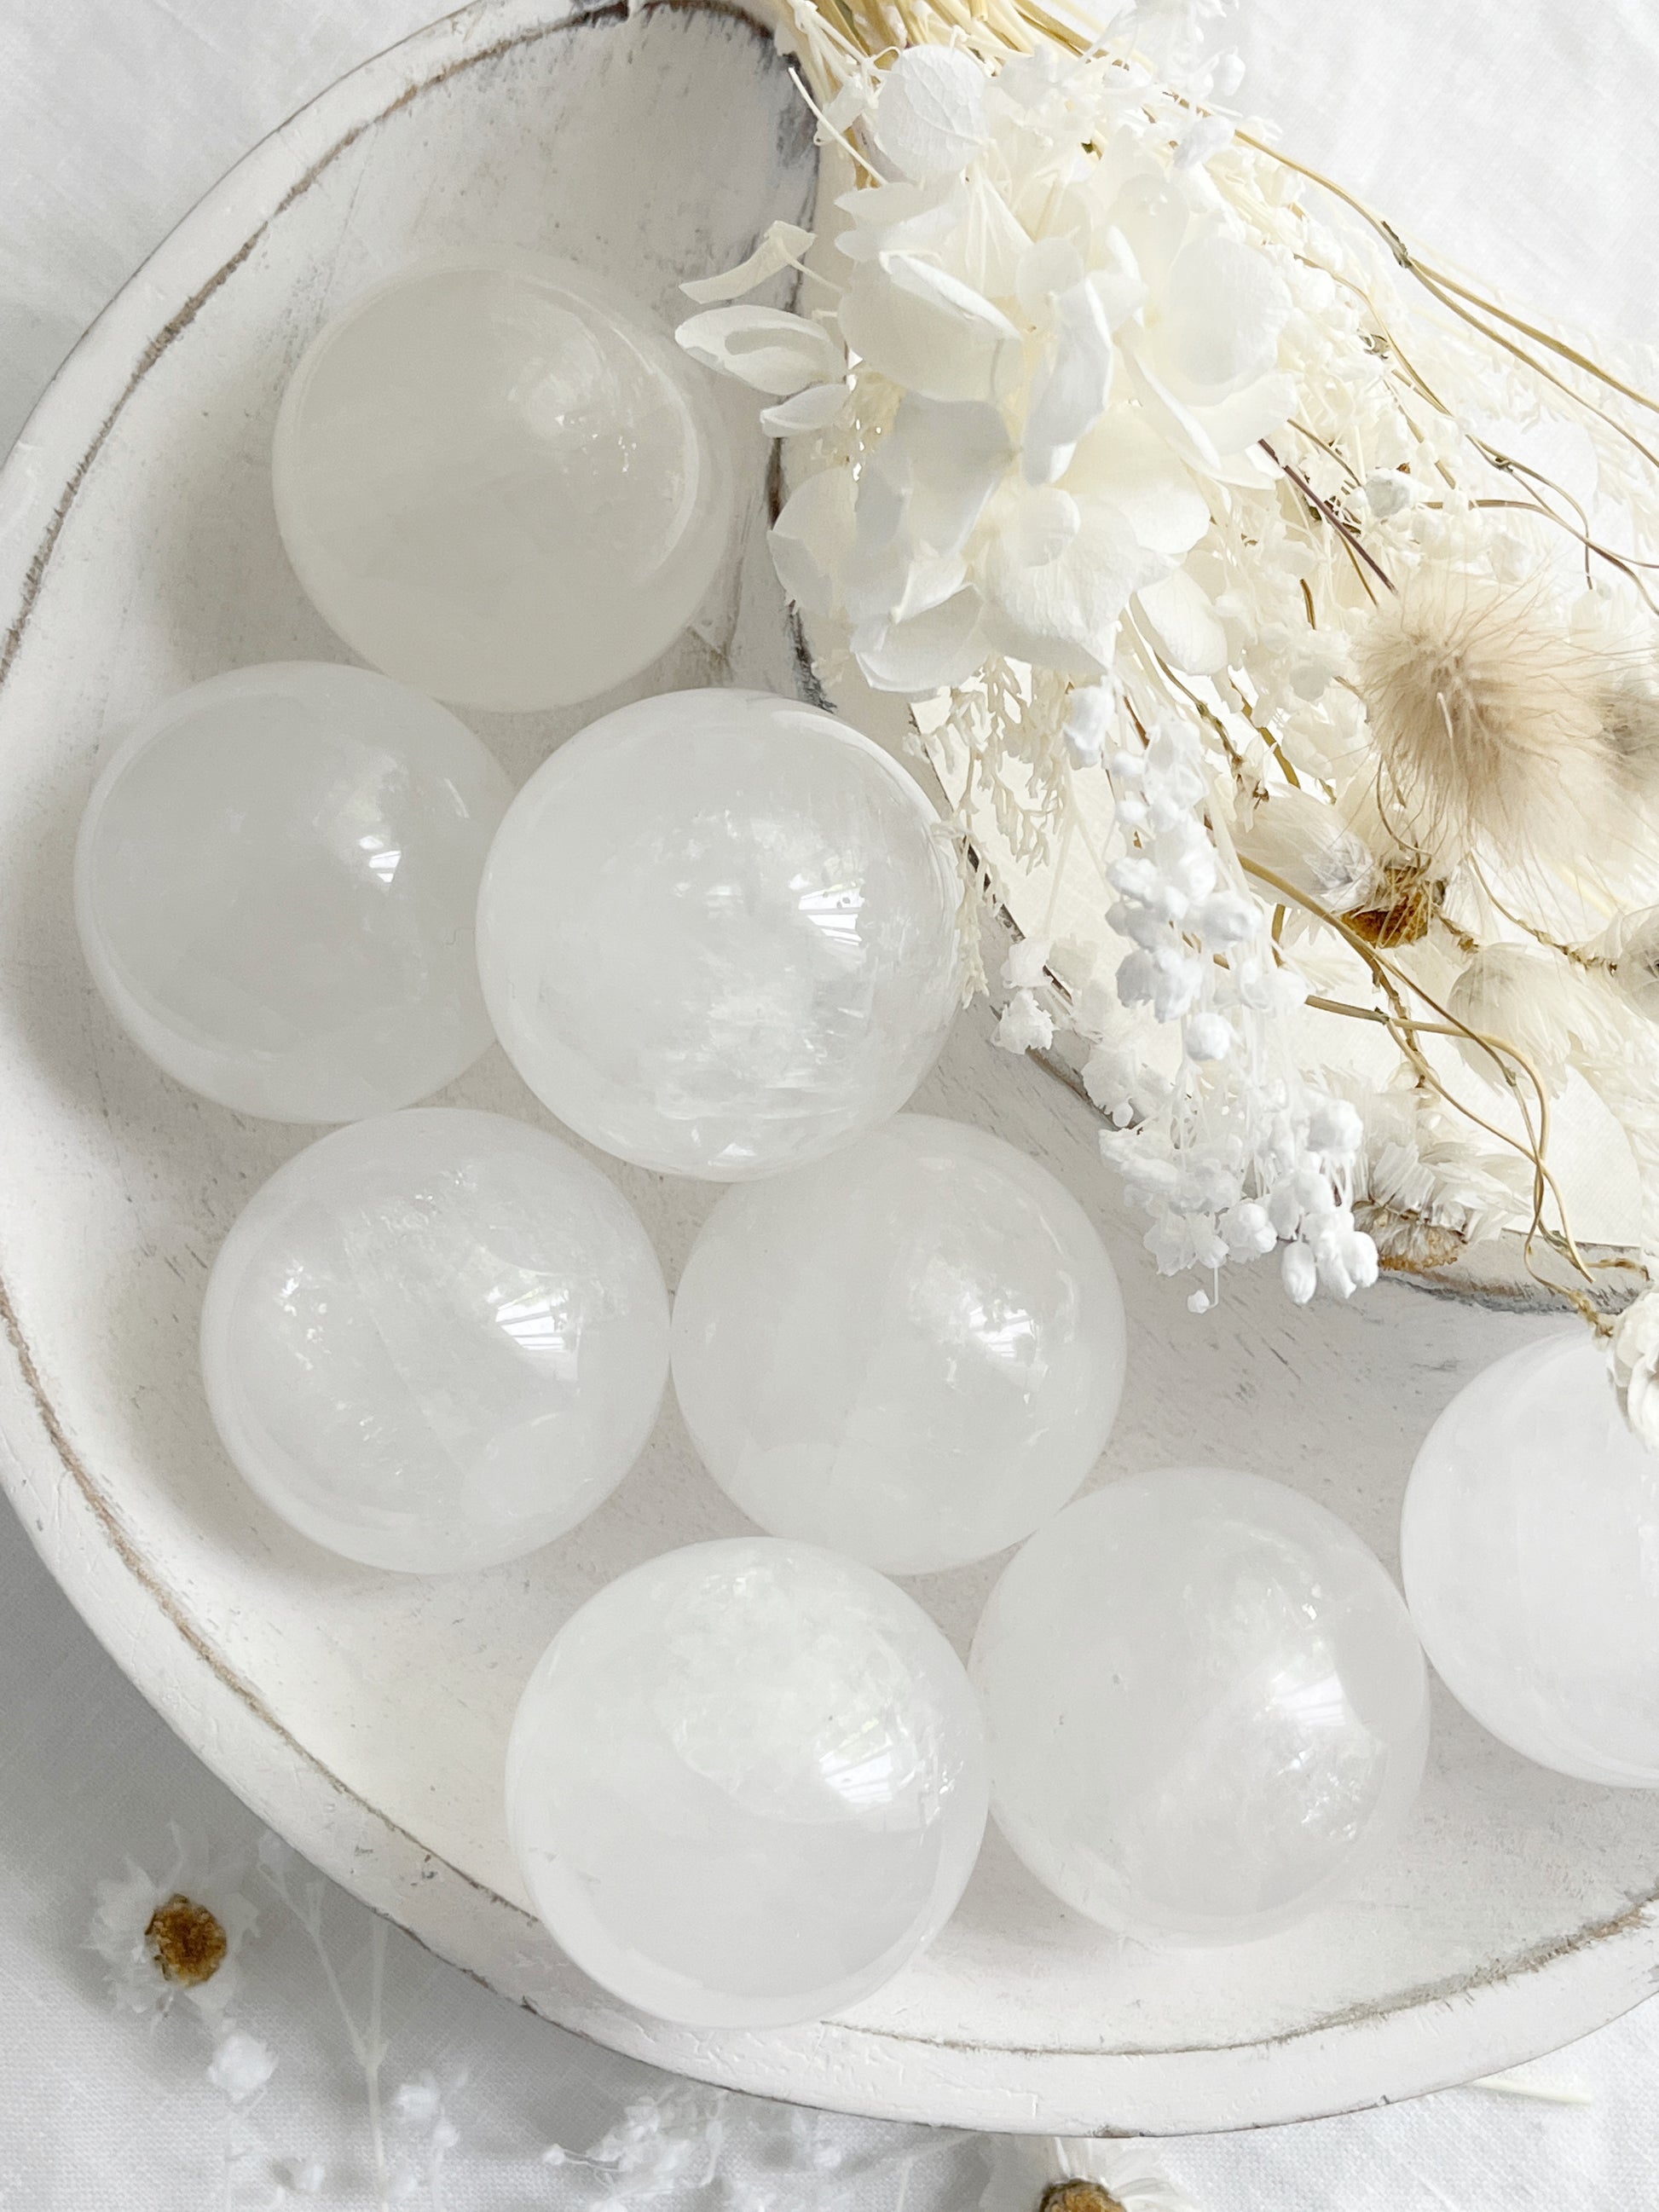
(1282, 671)
(1234, 1157)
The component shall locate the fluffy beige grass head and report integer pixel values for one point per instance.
(1490, 717)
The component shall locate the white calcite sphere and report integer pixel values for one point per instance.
(498, 481)
(1529, 1547)
(746, 1784)
(717, 934)
(1206, 1709)
(275, 884)
(436, 1340)
(911, 1351)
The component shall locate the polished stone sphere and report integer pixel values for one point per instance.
(436, 1340)
(746, 1784)
(1529, 1547)
(275, 882)
(498, 481)
(911, 1351)
(1206, 1708)
(717, 934)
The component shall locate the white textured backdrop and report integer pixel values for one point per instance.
(1518, 134)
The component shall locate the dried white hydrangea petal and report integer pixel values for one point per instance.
(1124, 460)
(782, 246)
(1185, 623)
(899, 218)
(944, 457)
(1037, 523)
(814, 409)
(811, 538)
(927, 331)
(990, 242)
(766, 347)
(1070, 394)
(1218, 319)
(930, 118)
(1046, 267)
(941, 647)
(1216, 438)
(1064, 614)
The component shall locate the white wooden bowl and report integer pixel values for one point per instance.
(363, 1715)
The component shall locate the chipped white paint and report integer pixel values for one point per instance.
(364, 1715)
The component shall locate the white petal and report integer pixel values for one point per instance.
(928, 331)
(936, 217)
(1065, 615)
(937, 649)
(783, 244)
(1070, 393)
(1037, 523)
(1192, 641)
(1124, 459)
(1118, 280)
(945, 456)
(1053, 264)
(1202, 141)
(1218, 317)
(928, 583)
(1216, 441)
(992, 242)
(930, 116)
(762, 347)
(1237, 424)
(811, 538)
(876, 570)
(874, 205)
(815, 408)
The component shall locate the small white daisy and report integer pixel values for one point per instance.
(1062, 2174)
(174, 1936)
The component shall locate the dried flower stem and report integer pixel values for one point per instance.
(367, 2043)
(1459, 300)
(1406, 1028)
(1346, 531)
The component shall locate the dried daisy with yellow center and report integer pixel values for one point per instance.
(1079, 2196)
(188, 1942)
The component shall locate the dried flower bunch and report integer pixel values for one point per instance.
(1275, 614)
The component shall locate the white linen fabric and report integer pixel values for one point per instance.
(1508, 135)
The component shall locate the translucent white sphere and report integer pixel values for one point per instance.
(911, 1351)
(1529, 1547)
(1207, 1710)
(499, 481)
(436, 1340)
(717, 934)
(746, 1784)
(274, 885)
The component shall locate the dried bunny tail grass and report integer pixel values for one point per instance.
(1490, 717)
(1631, 718)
